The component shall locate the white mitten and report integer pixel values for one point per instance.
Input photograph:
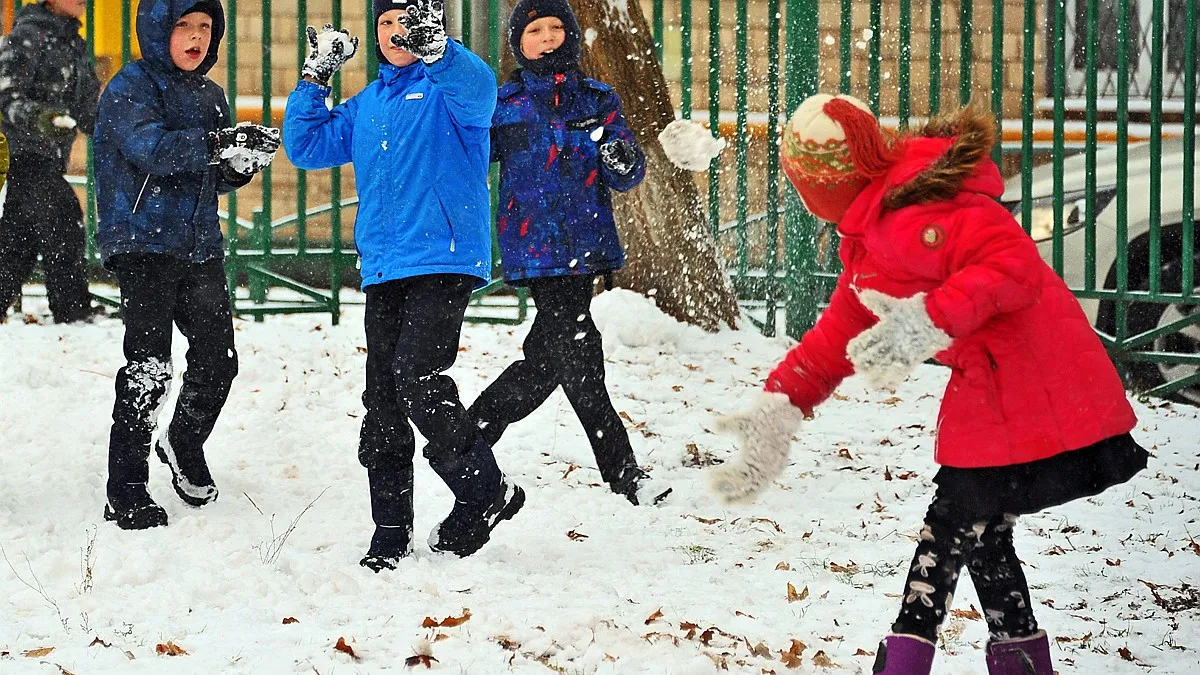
(905, 336)
(764, 436)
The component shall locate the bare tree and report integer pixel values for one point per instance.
(670, 251)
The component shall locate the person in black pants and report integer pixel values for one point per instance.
(164, 151)
(48, 96)
(563, 144)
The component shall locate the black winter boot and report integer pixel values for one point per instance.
(131, 508)
(189, 473)
(482, 498)
(639, 488)
(392, 511)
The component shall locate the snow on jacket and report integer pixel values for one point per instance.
(556, 214)
(1029, 377)
(44, 64)
(155, 190)
(418, 138)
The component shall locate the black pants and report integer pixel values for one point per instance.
(157, 293)
(950, 539)
(42, 215)
(565, 348)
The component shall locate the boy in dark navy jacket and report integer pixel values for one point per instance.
(164, 151)
(562, 143)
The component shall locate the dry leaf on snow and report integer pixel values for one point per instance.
(290, 619)
(37, 653)
(791, 657)
(448, 622)
(654, 617)
(344, 648)
(170, 649)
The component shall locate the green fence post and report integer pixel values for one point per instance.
(743, 131)
(773, 122)
(658, 30)
(335, 192)
(1028, 85)
(90, 188)
(803, 64)
(685, 55)
(998, 76)
(1189, 148)
(966, 40)
(1156, 88)
(1092, 45)
(1122, 307)
(845, 43)
(714, 113)
(1059, 87)
(935, 57)
(905, 64)
(301, 174)
(875, 46)
(232, 261)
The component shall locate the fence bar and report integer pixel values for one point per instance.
(658, 30)
(845, 42)
(1092, 46)
(1028, 85)
(301, 174)
(998, 73)
(1122, 314)
(266, 173)
(1059, 40)
(935, 57)
(773, 148)
(1189, 149)
(905, 65)
(685, 55)
(89, 219)
(465, 20)
(743, 132)
(231, 85)
(335, 191)
(873, 58)
(126, 30)
(1156, 76)
(966, 39)
(800, 226)
(714, 111)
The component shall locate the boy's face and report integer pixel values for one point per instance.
(190, 40)
(387, 26)
(542, 36)
(69, 8)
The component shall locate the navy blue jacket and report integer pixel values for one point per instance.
(555, 214)
(155, 190)
(418, 138)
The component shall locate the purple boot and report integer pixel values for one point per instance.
(903, 655)
(1026, 656)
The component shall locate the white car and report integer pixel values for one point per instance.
(1142, 316)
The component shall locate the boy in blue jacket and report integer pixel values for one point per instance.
(164, 151)
(562, 143)
(418, 138)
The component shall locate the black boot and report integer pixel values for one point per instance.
(482, 499)
(639, 488)
(392, 511)
(189, 472)
(131, 508)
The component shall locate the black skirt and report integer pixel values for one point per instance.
(1033, 486)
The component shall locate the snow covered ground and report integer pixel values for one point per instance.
(806, 580)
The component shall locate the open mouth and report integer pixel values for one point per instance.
(194, 53)
(548, 52)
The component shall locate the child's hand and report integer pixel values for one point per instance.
(328, 51)
(55, 124)
(426, 38)
(905, 336)
(619, 156)
(764, 435)
(246, 148)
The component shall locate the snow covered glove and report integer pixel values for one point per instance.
(426, 37)
(905, 336)
(764, 436)
(689, 145)
(328, 51)
(54, 124)
(246, 148)
(619, 156)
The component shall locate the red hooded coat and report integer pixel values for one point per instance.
(1029, 377)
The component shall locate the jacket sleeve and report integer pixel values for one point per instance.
(994, 268)
(814, 368)
(468, 84)
(17, 73)
(315, 137)
(616, 126)
(134, 119)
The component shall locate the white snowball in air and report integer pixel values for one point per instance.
(689, 145)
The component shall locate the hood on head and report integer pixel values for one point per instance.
(155, 21)
(944, 157)
(565, 57)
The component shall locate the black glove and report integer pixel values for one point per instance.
(55, 124)
(327, 52)
(619, 156)
(426, 37)
(246, 148)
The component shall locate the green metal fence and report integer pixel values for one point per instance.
(1073, 81)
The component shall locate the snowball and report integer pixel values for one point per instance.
(64, 122)
(689, 145)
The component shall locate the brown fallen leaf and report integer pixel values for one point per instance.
(344, 648)
(793, 596)
(1125, 653)
(839, 397)
(741, 613)
(844, 453)
(783, 566)
(576, 536)
(690, 627)
(971, 614)
(441, 636)
(98, 641)
(791, 657)
(420, 660)
(169, 649)
(448, 622)
(290, 619)
(891, 401)
(760, 649)
(822, 660)
(843, 569)
(654, 617)
(1112, 562)
(37, 653)
(862, 652)
(571, 467)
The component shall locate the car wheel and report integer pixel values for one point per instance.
(1145, 316)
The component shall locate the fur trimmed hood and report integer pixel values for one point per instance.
(949, 154)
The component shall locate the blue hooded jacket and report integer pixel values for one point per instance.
(418, 138)
(555, 216)
(155, 190)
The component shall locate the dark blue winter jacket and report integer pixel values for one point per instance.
(155, 190)
(555, 216)
(418, 138)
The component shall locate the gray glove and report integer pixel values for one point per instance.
(905, 336)
(328, 51)
(426, 38)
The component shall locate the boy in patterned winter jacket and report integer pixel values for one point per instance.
(562, 143)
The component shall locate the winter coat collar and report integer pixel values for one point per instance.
(155, 21)
(45, 20)
(947, 156)
(394, 76)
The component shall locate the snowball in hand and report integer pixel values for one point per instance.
(64, 122)
(689, 145)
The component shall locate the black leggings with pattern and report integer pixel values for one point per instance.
(948, 541)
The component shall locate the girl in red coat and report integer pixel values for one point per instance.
(1034, 414)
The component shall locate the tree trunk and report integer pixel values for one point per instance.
(670, 252)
